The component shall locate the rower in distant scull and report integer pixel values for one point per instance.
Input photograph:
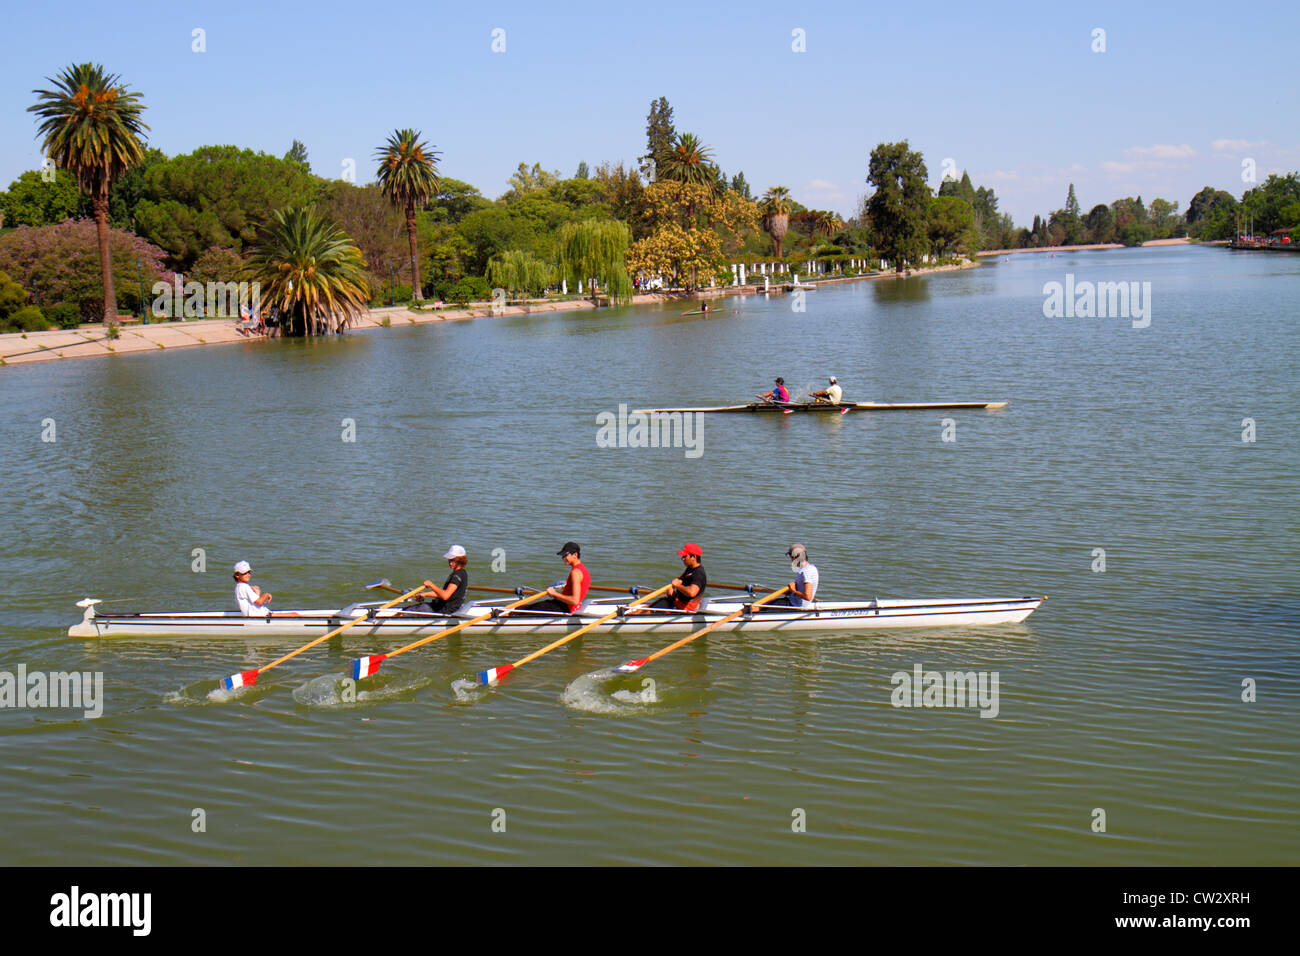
(778, 394)
(448, 598)
(831, 395)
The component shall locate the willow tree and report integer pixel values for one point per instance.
(311, 271)
(92, 127)
(597, 249)
(775, 208)
(519, 270)
(408, 176)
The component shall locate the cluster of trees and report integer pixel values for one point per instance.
(325, 248)
(1216, 214)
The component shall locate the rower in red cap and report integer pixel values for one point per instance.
(688, 590)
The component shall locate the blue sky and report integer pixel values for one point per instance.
(1012, 93)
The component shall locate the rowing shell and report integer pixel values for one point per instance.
(825, 407)
(392, 623)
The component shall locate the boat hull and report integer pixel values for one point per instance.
(769, 407)
(826, 617)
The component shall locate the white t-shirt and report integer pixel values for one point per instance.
(835, 393)
(807, 575)
(246, 598)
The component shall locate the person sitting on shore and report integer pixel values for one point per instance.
(830, 395)
(778, 394)
(448, 598)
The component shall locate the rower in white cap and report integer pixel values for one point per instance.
(448, 598)
(249, 596)
(830, 395)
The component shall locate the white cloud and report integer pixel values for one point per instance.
(822, 185)
(1237, 145)
(1161, 152)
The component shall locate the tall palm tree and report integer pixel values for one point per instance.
(92, 128)
(690, 161)
(311, 271)
(408, 176)
(776, 215)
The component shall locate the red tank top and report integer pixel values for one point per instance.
(584, 583)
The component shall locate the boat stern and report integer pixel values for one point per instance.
(86, 627)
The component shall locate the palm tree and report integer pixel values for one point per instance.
(308, 269)
(776, 215)
(92, 128)
(829, 223)
(690, 161)
(408, 176)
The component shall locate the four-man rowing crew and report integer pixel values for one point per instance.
(684, 607)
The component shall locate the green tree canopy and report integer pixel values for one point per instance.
(952, 226)
(597, 249)
(659, 135)
(31, 201)
(217, 196)
(899, 208)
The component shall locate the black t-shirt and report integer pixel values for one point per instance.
(459, 577)
(689, 577)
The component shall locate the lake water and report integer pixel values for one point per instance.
(1123, 693)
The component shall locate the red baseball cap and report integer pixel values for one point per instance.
(690, 549)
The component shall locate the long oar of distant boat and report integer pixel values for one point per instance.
(633, 666)
(247, 678)
(365, 666)
(491, 675)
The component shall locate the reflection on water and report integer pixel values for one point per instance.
(1124, 690)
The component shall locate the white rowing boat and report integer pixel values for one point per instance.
(828, 616)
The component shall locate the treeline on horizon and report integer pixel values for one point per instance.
(676, 214)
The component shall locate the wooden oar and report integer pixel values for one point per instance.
(247, 678)
(491, 675)
(633, 666)
(365, 666)
(741, 587)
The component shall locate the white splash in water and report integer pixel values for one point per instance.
(587, 693)
(468, 691)
(219, 695)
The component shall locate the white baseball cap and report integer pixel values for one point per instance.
(242, 567)
(832, 379)
(455, 551)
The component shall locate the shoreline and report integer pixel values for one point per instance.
(1088, 247)
(18, 348)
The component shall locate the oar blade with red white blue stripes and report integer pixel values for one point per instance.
(493, 674)
(631, 667)
(236, 681)
(365, 666)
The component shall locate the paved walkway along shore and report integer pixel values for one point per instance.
(90, 340)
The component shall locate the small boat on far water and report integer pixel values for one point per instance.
(841, 407)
